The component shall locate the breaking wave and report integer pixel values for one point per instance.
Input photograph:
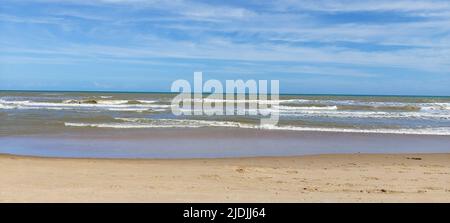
(111, 105)
(137, 123)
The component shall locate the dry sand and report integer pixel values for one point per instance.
(319, 178)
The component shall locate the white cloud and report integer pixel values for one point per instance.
(366, 5)
(427, 43)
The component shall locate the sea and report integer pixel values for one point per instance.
(142, 125)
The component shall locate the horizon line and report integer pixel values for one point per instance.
(168, 92)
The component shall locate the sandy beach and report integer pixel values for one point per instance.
(317, 178)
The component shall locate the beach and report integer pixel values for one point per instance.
(310, 178)
(196, 101)
(130, 147)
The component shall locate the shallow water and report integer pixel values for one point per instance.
(215, 142)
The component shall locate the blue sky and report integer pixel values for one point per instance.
(311, 46)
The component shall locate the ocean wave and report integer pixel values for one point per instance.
(295, 101)
(112, 105)
(111, 102)
(108, 102)
(435, 106)
(304, 105)
(371, 105)
(405, 108)
(444, 131)
(307, 108)
(139, 123)
(183, 122)
(368, 114)
(104, 125)
(427, 111)
(4, 106)
(129, 109)
(212, 100)
(146, 101)
(130, 123)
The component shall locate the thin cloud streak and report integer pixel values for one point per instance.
(314, 37)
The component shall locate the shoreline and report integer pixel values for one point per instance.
(309, 178)
(213, 143)
(231, 158)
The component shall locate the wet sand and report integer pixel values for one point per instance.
(314, 178)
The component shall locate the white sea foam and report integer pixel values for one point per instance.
(111, 102)
(129, 109)
(423, 106)
(248, 100)
(135, 123)
(435, 106)
(131, 123)
(117, 125)
(112, 105)
(333, 112)
(295, 101)
(211, 100)
(95, 102)
(307, 108)
(370, 114)
(4, 106)
(146, 101)
(183, 122)
(444, 131)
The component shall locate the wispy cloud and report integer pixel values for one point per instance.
(314, 36)
(367, 5)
